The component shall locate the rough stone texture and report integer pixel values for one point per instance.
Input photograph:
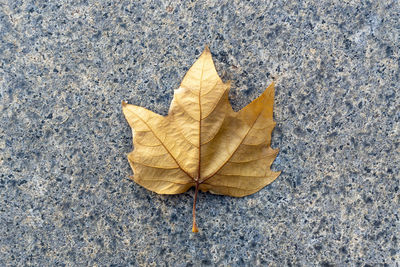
(65, 67)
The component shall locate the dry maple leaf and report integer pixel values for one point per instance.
(202, 142)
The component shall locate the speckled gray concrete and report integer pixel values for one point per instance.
(65, 67)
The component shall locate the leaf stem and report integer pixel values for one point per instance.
(194, 228)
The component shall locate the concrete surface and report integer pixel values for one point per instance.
(65, 67)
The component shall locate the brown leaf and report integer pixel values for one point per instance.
(203, 143)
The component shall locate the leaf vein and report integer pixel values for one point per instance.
(169, 152)
(211, 175)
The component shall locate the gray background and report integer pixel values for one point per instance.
(65, 67)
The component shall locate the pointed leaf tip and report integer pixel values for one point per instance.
(206, 49)
(270, 90)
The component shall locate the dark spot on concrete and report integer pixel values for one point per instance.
(389, 51)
